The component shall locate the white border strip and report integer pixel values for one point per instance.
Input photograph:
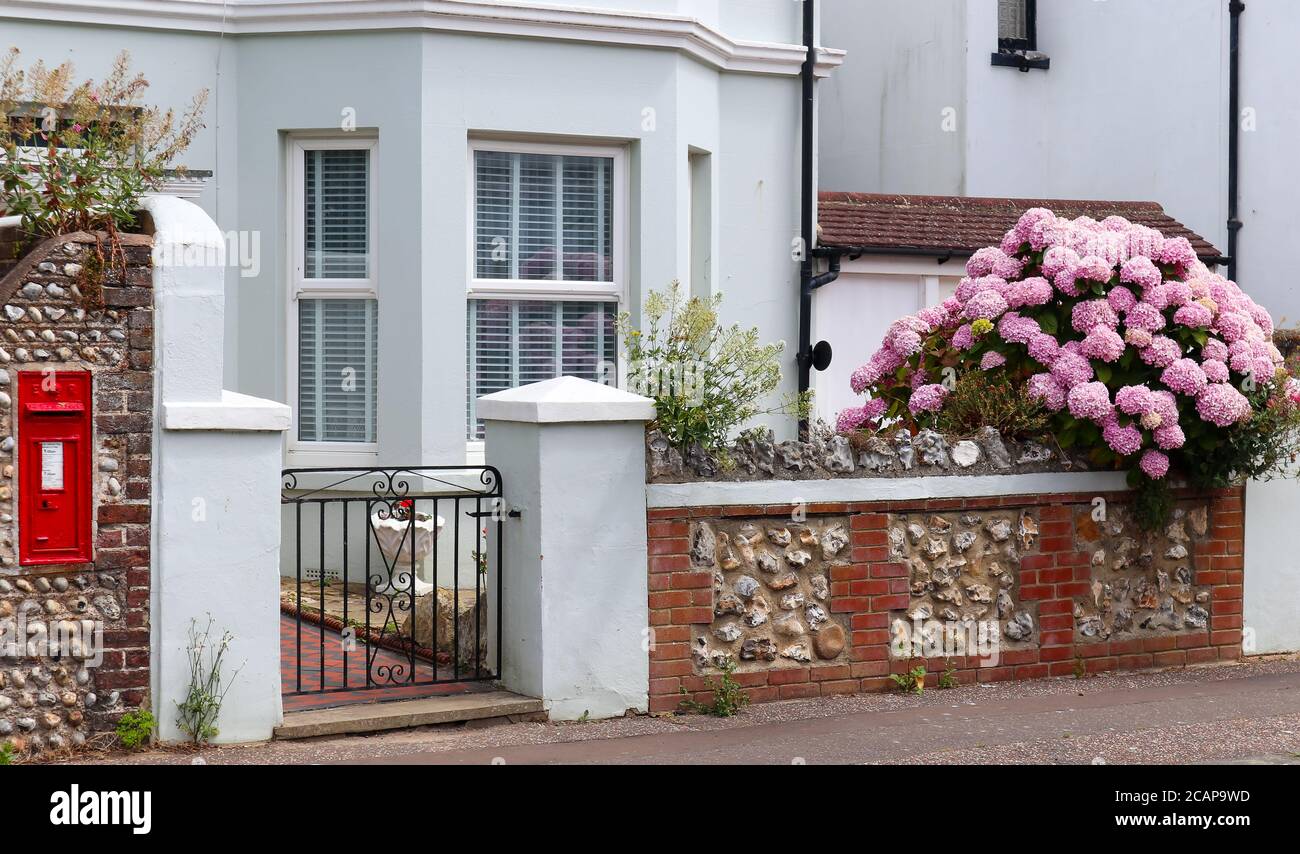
(716, 493)
(492, 17)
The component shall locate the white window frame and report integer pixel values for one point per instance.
(300, 287)
(551, 289)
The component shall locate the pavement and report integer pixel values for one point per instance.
(1244, 713)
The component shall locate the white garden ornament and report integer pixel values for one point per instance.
(394, 536)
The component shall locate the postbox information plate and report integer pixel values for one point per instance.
(55, 467)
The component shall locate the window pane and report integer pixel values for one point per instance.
(336, 198)
(338, 349)
(1013, 24)
(543, 217)
(517, 342)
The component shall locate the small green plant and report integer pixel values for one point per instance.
(135, 729)
(990, 399)
(911, 682)
(7, 754)
(1080, 668)
(197, 714)
(707, 380)
(728, 697)
(948, 678)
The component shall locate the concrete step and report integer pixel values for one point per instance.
(403, 714)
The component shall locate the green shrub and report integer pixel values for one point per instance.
(991, 399)
(99, 149)
(7, 754)
(135, 729)
(911, 682)
(707, 380)
(728, 697)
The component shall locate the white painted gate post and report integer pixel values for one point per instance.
(217, 488)
(575, 583)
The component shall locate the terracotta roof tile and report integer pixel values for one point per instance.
(963, 224)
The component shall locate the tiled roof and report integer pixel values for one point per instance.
(963, 224)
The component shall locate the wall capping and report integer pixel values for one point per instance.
(837, 490)
(681, 33)
(234, 412)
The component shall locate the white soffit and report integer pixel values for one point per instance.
(487, 17)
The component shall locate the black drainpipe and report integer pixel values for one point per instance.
(1235, 8)
(809, 357)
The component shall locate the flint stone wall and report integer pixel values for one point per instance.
(52, 703)
(1072, 589)
(823, 456)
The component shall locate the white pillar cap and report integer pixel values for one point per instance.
(565, 400)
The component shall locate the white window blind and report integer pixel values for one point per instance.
(336, 215)
(338, 348)
(517, 342)
(543, 217)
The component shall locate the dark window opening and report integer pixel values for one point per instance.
(1018, 36)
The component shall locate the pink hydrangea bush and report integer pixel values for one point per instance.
(1145, 356)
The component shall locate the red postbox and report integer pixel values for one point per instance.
(54, 467)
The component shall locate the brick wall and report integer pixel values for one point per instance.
(50, 322)
(1061, 567)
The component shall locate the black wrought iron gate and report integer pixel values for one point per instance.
(390, 577)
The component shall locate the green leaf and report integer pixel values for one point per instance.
(1048, 323)
(1104, 373)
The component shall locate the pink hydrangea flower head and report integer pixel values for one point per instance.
(1233, 325)
(1090, 401)
(1165, 405)
(1177, 293)
(987, 304)
(1139, 338)
(1121, 299)
(875, 408)
(850, 419)
(1215, 349)
(963, 338)
(1215, 371)
(927, 398)
(1045, 388)
(1151, 420)
(1032, 291)
(983, 261)
(1140, 271)
(1185, 377)
(1134, 399)
(1193, 314)
(1144, 316)
(1157, 296)
(1123, 440)
(1043, 349)
(1071, 369)
(1089, 314)
(1059, 259)
(1095, 269)
(1154, 464)
(1169, 437)
(1177, 251)
(992, 359)
(1104, 344)
(904, 342)
(1017, 329)
(1067, 282)
(1222, 405)
(1162, 352)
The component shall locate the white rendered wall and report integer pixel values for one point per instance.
(216, 494)
(575, 579)
(855, 310)
(1271, 606)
